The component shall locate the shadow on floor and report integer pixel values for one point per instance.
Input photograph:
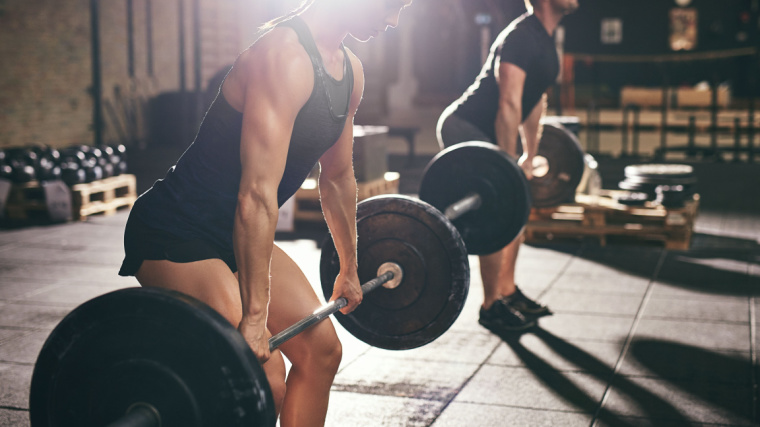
(728, 266)
(574, 395)
(686, 365)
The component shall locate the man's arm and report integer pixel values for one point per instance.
(531, 136)
(337, 189)
(511, 80)
(275, 87)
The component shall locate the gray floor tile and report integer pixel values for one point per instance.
(562, 301)
(665, 290)
(548, 352)
(55, 273)
(14, 385)
(17, 288)
(547, 390)
(452, 346)
(680, 401)
(46, 256)
(361, 410)
(9, 418)
(616, 283)
(68, 295)
(610, 420)
(713, 272)
(31, 316)
(534, 280)
(9, 334)
(475, 415)
(715, 336)
(667, 359)
(587, 327)
(717, 309)
(404, 378)
(24, 348)
(640, 261)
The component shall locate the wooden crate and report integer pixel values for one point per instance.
(309, 209)
(104, 196)
(602, 217)
(26, 202)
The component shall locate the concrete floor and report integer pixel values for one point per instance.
(641, 336)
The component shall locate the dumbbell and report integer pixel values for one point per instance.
(150, 357)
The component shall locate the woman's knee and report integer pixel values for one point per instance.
(322, 351)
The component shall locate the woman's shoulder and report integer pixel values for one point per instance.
(276, 53)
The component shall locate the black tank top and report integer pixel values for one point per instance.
(524, 43)
(198, 197)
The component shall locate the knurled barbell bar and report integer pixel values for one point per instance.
(152, 357)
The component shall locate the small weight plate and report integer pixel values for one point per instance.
(147, 345)
(482, 168)
(436, 275)
(564, 168)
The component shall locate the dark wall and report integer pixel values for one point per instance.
(722, 24)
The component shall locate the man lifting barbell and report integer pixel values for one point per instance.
(507, 96)
(207, 229)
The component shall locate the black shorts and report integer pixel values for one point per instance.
(141, 242)
(452, 129)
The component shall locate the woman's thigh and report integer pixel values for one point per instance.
(292, 299)
(209, 280)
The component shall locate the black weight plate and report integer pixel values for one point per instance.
(564, 167)
(482, 168)
(436, 277)
(152, 346)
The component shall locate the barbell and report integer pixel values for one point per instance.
(484, 192)
(151, 357)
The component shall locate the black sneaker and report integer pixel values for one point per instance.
(525, 305)
(503, 318)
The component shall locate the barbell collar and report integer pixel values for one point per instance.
(328, 309)
(462, 206)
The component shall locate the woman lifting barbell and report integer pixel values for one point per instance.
(207, 229)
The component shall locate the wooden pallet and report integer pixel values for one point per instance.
(602, 217)
(26, 202)
(105, 196)
(309, 209)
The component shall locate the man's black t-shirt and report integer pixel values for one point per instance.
(526, 44)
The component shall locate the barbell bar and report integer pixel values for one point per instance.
(389, 276)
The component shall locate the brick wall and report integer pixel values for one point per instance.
(45, 73)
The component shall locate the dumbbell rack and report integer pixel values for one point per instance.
(104, 196)
(309, 210)
(603, 217)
